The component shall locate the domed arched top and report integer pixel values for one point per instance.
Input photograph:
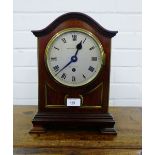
(74, 15)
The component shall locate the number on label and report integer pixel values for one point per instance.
(72, 102)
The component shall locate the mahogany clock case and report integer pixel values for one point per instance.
(52, 109)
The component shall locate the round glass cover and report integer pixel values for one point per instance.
(74, 57)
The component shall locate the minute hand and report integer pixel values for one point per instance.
(64, 67)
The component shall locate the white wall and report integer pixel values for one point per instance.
(121, 15)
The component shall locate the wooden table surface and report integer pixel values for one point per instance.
(79, 142)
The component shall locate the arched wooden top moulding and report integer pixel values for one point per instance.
(74, 15)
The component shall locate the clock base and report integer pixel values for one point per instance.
(106, 131)
(38, 129)
(42, 122)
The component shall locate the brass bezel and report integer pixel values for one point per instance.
(102, 53)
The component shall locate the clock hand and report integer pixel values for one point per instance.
(64, 67)
(78, 47)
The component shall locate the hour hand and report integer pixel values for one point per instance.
(78, 47)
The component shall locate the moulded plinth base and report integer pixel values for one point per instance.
(104, 122)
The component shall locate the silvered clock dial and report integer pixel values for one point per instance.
(74, 57)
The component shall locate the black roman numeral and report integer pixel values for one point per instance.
(56, 68)
(56, 48)
(91, 68)
(74, 37)
(64, 40)
(83, 76)
(63, 76)
(54, 59)
(73, 78)
(94, 58)
(92, 48)
(84, 40)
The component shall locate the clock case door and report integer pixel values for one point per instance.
(52, 109)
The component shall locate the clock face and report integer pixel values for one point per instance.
(74, 57)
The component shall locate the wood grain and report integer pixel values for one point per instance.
(79, 141)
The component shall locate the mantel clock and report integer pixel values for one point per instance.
(73, 74)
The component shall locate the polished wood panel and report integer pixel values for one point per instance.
(73, 20)
(79, 141)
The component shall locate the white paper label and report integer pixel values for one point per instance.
(73, 102)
